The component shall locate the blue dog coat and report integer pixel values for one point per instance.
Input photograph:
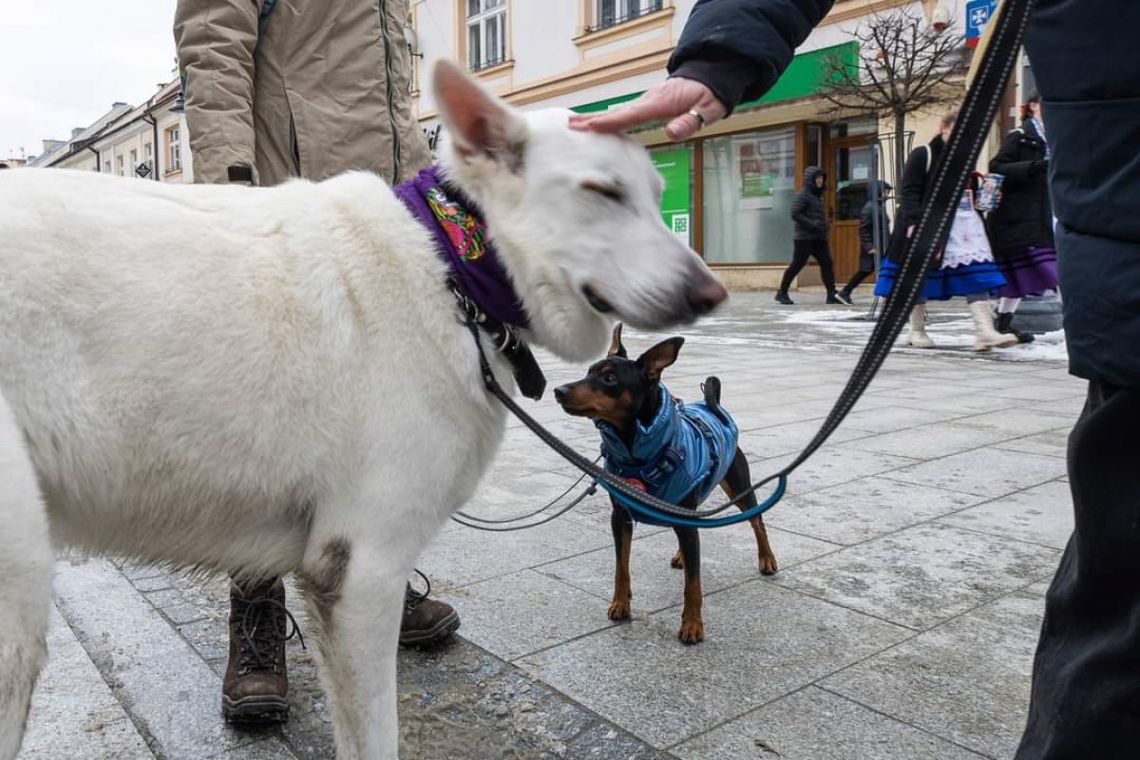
(686, 447)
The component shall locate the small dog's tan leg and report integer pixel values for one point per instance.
(623, 544)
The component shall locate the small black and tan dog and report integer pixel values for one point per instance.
(676, 451)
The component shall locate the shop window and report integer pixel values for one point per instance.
(748, 186)
(486, 33)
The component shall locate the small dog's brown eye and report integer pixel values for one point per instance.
(613, 192)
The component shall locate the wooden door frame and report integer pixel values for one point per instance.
(831, 147)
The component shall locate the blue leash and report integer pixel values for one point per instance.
(655, 515)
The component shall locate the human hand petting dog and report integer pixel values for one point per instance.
(686, 103)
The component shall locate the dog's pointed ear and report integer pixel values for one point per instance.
(655, 360)
(617, 348)
(477, 123)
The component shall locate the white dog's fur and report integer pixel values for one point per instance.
(265, 381)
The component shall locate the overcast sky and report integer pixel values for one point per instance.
(64, 62)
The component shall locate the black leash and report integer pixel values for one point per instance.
(975, 117)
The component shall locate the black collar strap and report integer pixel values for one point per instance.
(528, 375)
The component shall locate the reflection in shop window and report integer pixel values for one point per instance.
(749, 182)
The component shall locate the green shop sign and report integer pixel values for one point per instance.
(674, 165)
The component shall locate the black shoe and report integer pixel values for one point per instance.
(1004, 324)
(782, 297)
(842, 297)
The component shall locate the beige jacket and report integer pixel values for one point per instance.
(320, 88)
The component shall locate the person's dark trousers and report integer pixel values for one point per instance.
(856, 280)
(801, 251)
(1085, 699)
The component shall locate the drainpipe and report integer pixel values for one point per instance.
(98, 160)
(153, 122)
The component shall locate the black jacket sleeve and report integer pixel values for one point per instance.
(739, 48)
(803, 216)
(1006, 162)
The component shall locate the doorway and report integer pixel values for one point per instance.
(850, 170)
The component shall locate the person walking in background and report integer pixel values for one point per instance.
(278, 89)
(966, 266)
(873, 226)
(1021, 227)
(810, 237)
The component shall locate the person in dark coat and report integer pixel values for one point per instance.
(809, 236)
(1021, 227)
(1085, 696)
(872, 215)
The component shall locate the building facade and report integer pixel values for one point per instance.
(728, 192)
(146, 142)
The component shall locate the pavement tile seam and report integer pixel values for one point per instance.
(910, 724)
(941, 521)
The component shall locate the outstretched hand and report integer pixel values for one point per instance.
(677, 100)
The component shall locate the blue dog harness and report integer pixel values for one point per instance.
(686, 448)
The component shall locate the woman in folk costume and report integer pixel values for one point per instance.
(1021, 227)
(966, 265)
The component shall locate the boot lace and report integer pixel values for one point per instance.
(413, 598)
(264, 627)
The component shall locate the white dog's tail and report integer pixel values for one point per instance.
(25, 583)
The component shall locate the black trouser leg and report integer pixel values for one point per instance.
(801, 251)
(1085, 699)
(857, 280)
(826, 267)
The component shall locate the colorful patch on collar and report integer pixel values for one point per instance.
(467, 234)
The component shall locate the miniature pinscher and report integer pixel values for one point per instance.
(675, 451)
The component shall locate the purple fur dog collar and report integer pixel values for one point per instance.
(461, 241)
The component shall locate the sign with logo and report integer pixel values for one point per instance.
(978, 14)
(675, 165)
(143, 169)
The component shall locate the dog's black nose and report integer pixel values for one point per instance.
(705, 297)
(560, 393)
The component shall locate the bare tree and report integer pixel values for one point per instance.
(904, 66)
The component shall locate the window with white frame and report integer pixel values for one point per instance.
(173, 150)
(134, 161)
(486, 33)
(148, 151)
(612, 12)
(119, 165)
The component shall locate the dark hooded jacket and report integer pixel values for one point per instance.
(1024, 218)
(808, 215)
(867, 218)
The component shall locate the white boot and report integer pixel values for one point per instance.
(917, 336)
(985, 336)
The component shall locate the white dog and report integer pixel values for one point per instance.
(265, 381)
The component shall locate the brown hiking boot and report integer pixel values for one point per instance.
(255, 687)
(427, 622)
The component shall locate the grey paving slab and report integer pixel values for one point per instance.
(1054, 443)
(1018, 422)
(814, 724)
(272, 748)
(897, 416)
(525, 611)
(761, 642)
(832, 465)
(173, 695)
(728, 558)
(74, 714)
(919, 443)
(966, 680)
(789, 438)
(461, 556)
(865, 508)
(922, 575)
(985, 472)
(1040, 515)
